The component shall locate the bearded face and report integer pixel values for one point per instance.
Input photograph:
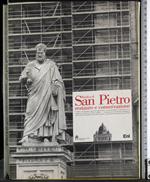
(40, 56)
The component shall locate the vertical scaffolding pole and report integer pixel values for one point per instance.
(109, 64)
(5, 93)
(41, 18)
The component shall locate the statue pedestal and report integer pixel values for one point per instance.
(41, 162)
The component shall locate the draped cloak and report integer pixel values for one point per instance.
(45, 114)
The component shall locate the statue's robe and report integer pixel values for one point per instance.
(45, 114)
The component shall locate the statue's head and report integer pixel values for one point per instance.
(40, 52)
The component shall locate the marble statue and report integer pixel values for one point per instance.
(45, 114)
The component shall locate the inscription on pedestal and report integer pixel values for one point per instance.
(39, 176)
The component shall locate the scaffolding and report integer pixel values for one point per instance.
(105, 159)
(91, 44)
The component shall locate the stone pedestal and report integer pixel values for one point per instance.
(41, 162)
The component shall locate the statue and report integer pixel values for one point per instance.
(45, 114)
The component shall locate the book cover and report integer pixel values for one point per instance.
(72, 89)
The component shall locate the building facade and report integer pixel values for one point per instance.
(95, 45)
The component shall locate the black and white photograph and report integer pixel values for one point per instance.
(71, 74)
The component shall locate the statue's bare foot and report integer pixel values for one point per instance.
(24, 140)
(46, 140)
(54, 143)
